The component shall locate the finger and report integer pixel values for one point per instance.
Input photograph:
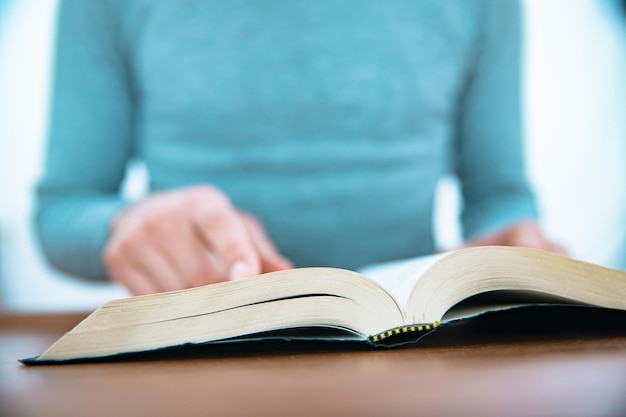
(154, 264)
(137, 249)
(271, 259)
(119, 270)
(222, 230)
(494, 239)
(482, 241)
(561, 250)
(134, 281)
(556, 248)
(190, 259)
(115, 258)
(530, 235)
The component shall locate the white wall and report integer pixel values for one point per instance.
(576, 125)
(25, 49)
(576, 111)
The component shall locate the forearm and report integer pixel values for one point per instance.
(498, 210)
(490, 161)
(90, 137)
(73, 231)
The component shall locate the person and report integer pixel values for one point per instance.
(278, 133)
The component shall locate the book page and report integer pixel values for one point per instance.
(399, 277)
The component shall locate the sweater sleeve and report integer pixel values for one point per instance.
(89, 138)
(490, 152)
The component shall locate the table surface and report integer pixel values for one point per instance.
(581, 376)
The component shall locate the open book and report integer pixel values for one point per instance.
(409, 299)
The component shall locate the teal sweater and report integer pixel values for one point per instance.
(331, 121)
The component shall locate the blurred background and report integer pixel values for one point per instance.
(575, 89)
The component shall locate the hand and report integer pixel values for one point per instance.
(186, 238)
(524, 233)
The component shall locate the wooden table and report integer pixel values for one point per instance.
(572, 377)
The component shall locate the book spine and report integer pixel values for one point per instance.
(403, 329)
